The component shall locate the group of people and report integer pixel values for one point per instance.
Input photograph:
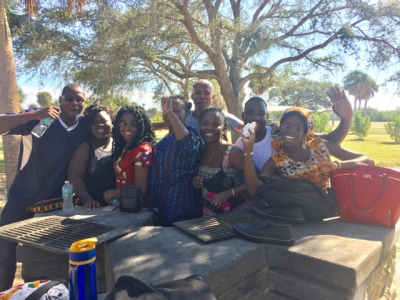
(191, 172)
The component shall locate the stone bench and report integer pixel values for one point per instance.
(330, 260)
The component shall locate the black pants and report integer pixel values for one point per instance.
(12, 212)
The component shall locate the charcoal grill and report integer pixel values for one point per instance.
(56, 234)
(216, 228)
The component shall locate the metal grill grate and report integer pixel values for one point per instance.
(216, 228)
(56, 234)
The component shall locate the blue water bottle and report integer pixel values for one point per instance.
(82, 270)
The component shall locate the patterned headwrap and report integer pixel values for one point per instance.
(307, 115)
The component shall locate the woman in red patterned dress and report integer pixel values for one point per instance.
(134, 138)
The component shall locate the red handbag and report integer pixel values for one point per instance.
(368, 194)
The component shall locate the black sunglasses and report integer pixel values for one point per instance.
(70, 99)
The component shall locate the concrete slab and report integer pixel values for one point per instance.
(347, 253)
(156, 255)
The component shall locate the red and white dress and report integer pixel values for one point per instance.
(124, 166)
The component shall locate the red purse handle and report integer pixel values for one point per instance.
(353, 198)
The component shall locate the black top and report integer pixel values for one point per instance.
(100, 175)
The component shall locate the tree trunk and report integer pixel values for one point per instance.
(333, 118)
(365, 108)
(359, 104)
(355, 105)
(8, 94)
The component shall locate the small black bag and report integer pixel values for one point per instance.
(131, 199)
(194, 288)
(313, 200)
(219, 182)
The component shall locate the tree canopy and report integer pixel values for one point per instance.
(132, 43)
(44, 99)
(303, 93)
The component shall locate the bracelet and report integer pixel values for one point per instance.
(245, 154)
(233, 192)
(339, 165)
(167, 111)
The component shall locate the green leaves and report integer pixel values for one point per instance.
(393, 128)
(360, 125)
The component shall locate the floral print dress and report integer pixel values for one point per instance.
(289, 168)
(208, 172)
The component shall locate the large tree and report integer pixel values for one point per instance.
(361, 86)
(124, 43)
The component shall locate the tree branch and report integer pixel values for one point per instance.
(258, 11)
(183, 10)
(271, 69)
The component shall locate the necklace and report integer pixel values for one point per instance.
(209, 159)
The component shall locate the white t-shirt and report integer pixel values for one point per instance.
(262, 150)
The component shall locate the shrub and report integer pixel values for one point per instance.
(360, 125)
(393, 128)
(321, 123)
(157, 119)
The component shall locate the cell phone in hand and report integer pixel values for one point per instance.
(207, 203)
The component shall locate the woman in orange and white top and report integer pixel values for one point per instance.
(300, 154)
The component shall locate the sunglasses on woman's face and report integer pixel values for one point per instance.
(295, 128)
(71, 99)
(124, 124)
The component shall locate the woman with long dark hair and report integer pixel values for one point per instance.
(133, 139)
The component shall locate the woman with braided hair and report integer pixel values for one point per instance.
(133, 139)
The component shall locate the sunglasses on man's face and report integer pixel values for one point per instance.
(71, 99)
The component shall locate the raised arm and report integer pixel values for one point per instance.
(76, 173)
(8, 122)
(342, 108)
(180, 130)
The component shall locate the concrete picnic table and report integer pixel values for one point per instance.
(330, 260)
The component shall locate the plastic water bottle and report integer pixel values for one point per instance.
(41, 128)
(82, 270)
(67, 193)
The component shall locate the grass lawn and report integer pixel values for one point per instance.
(377, 145)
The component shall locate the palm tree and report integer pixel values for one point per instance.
(9, 99)
(361, 86)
